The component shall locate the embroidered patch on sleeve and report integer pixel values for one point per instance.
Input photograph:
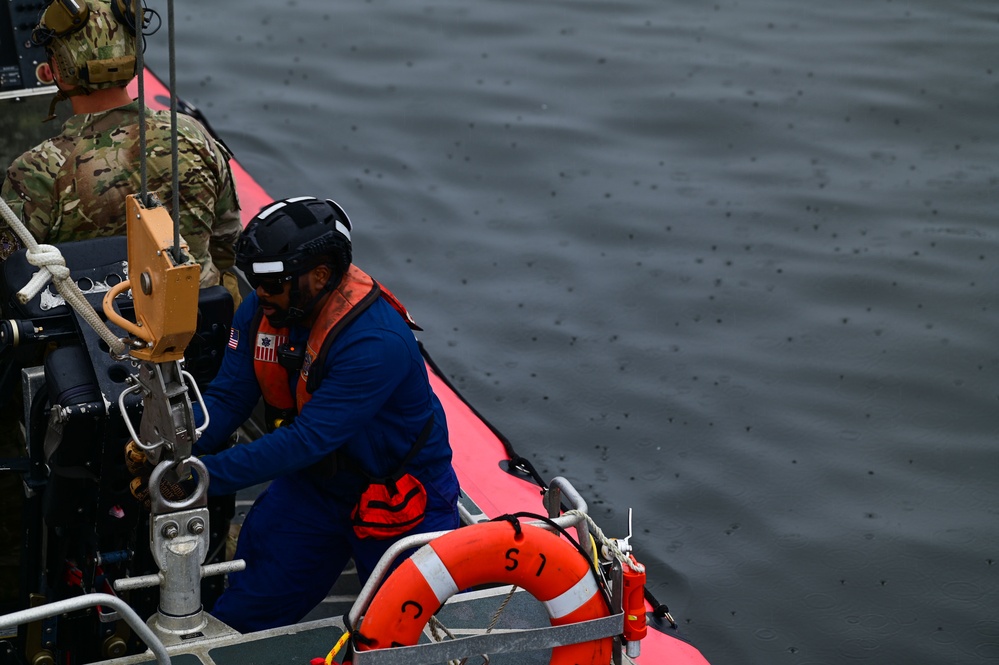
(233, 338)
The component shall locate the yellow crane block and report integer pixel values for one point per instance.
(165, 294)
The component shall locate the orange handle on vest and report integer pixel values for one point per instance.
(633, 601)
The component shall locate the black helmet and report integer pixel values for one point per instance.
(291, 237)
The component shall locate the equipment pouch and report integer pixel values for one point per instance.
(390, 508)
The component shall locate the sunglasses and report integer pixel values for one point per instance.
(62, 17)
(271, 285)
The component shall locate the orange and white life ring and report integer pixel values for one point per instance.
(549, 568)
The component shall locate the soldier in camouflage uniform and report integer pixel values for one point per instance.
(73, 186)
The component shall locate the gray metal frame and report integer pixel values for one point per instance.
(91, 600)
(506, 642)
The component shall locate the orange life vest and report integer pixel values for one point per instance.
(355, 293)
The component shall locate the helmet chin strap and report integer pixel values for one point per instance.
(61, 96)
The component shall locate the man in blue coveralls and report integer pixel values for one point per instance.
(350, 412)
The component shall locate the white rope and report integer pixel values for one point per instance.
(609, 544)
(52, 267)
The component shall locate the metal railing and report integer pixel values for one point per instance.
(91, 600)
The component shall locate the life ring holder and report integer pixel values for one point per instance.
(504, 551)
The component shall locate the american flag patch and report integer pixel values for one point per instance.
(233, 338)
(266, 349)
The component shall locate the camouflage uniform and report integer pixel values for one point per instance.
(73, 186)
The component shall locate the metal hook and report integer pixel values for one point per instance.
(197, 499)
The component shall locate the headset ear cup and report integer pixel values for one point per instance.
(122, 10)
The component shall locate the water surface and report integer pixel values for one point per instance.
(729, 264)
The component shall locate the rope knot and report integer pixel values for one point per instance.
(49, 258)
(52, 265)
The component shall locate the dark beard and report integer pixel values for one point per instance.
(279, 319)
(285, 318)
(295, 314)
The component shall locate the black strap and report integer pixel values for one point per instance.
(421, 440)
(350, 464)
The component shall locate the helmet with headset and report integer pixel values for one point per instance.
(91, 42)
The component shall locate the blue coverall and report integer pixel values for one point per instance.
(372, 403)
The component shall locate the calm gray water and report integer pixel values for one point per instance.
(730, 264)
